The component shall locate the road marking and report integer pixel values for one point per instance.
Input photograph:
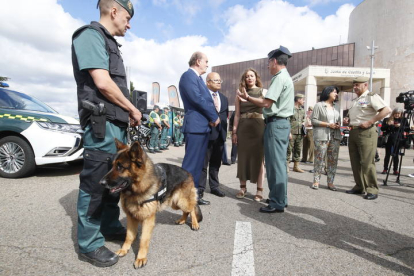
(243, 259)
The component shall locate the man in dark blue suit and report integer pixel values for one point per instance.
(217, 138)
(200, 116)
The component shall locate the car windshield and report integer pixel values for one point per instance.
(16, 100)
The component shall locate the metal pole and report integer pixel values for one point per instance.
(372, 65)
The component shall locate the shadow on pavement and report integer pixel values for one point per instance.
(62, 169)
(356, 237)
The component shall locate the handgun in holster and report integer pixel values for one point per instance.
(97, 117)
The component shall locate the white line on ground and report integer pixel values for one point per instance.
(243, 258)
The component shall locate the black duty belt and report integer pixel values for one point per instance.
(274, 118)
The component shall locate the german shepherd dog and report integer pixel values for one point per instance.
(146, 189)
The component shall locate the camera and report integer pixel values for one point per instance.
(407, 98)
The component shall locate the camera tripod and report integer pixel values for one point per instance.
(398, 148)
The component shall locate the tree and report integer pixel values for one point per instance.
(4, 78)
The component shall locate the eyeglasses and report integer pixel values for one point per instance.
(216, 81)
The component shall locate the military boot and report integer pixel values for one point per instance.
(296, 168)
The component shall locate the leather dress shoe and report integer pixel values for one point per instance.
(157, 150)
(118, 236)
(270, 209)
(101, 257)
(370, 196)
(268, 201)
(201, 201)
(218, 193)
(354, 192)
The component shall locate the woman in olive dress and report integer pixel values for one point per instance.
(248, 130)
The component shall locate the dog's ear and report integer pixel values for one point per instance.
(119, 145)
(135, 152)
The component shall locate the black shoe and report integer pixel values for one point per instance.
(377, 159)
(118, 236)
(227, 164)
(233, 162)
(303, 161)
(309, 162)
(269, 209)
(268, 201)
(175, 145)
(370, 196)
(384, 172)
(218, 193)
(312, 171)
(151, 151)
(157, 150)
(101, 257)
(354, 192)
(201, 201)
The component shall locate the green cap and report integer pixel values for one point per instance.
(126, 4)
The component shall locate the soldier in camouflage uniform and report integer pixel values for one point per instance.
(296, 123)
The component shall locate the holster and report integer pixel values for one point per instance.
(98, 123)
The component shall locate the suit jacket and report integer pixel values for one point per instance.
(198, 104)
(220, 131)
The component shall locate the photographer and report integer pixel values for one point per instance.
(390, 127)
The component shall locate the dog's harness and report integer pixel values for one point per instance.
(160, 195)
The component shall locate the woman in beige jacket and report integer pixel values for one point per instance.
(326, 136)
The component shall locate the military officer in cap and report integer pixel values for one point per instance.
(296, 123)
(155, 125)
(165, 122)
(100, 77)
(277, 108)
(367, 109)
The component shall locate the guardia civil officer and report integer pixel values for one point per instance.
(177, 128)
(155, 125)
(165, 122)
(277, 107)
(100, 77)
(367, 109)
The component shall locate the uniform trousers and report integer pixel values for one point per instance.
(98, 211)
(362, 146)
(276, 140)
(155, 138)
(295, 147)
(164, 137)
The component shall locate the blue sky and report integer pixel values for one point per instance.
(35, 38)
(163, 20)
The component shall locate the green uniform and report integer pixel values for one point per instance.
(177, 131)
(164, 131)
(181, 133)
(295, 144)
(155, 132)
(98, 213)
(363, 142)
(276, 137)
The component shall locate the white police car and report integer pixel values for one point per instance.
(32, 133)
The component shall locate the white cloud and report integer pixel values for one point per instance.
(36, 46)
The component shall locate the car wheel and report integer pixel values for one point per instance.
(16, 158)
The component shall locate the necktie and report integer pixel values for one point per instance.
(216, 102)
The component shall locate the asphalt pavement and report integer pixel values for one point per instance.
(322, 232)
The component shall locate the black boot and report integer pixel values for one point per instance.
(201, 201)
(101, 257)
